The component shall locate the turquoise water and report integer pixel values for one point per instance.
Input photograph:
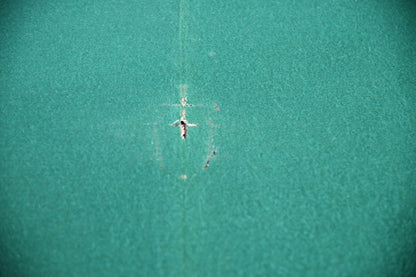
(309, 107)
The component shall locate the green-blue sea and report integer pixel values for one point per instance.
(300, 149)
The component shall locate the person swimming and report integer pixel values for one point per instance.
(183, 124)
